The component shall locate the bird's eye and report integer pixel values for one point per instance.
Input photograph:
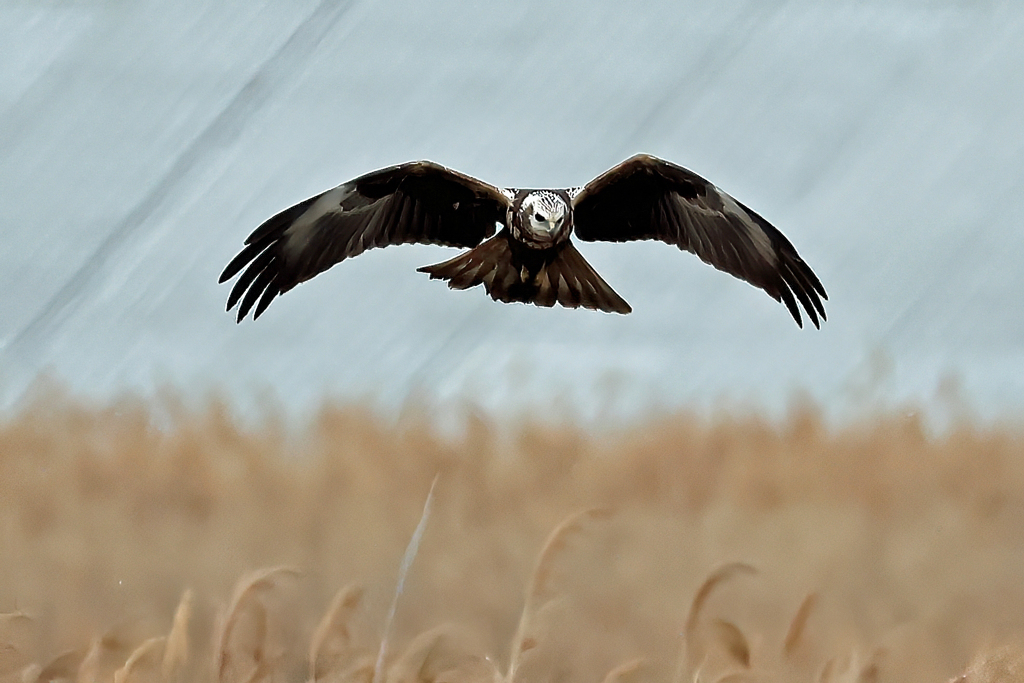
(537, 217)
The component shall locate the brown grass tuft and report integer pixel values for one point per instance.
(63, 667)
(731, 638)
(431, 655)
(15, 641)
(176, 651)
(692, 651)
(88, 670)
(910, 541)
(331, 645)
(999, 665)
(794, 635)
(852, 668)
(627, 672)
(146, 655)
(248, 651)
(537, 589)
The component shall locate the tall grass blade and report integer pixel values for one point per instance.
(403, 572)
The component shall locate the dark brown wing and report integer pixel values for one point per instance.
(415, 202)
(647, 198)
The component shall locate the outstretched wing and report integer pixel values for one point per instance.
(414, 202)
(647, 198)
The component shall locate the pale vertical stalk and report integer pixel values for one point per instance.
(176, 650)
(403, 571)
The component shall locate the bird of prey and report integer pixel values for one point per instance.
(519, 240)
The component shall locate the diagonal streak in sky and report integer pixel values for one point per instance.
(276, 70)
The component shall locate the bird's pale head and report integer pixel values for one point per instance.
(544, 217)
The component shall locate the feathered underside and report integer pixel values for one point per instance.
(416, 202)
(511, 272)
(647, 198)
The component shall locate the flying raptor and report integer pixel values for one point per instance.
(531, 259)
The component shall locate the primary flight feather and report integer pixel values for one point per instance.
(531, 259)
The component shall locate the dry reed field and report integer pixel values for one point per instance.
(159, 543)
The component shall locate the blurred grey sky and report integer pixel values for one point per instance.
(140, 142)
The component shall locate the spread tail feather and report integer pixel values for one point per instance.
(558, 275)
